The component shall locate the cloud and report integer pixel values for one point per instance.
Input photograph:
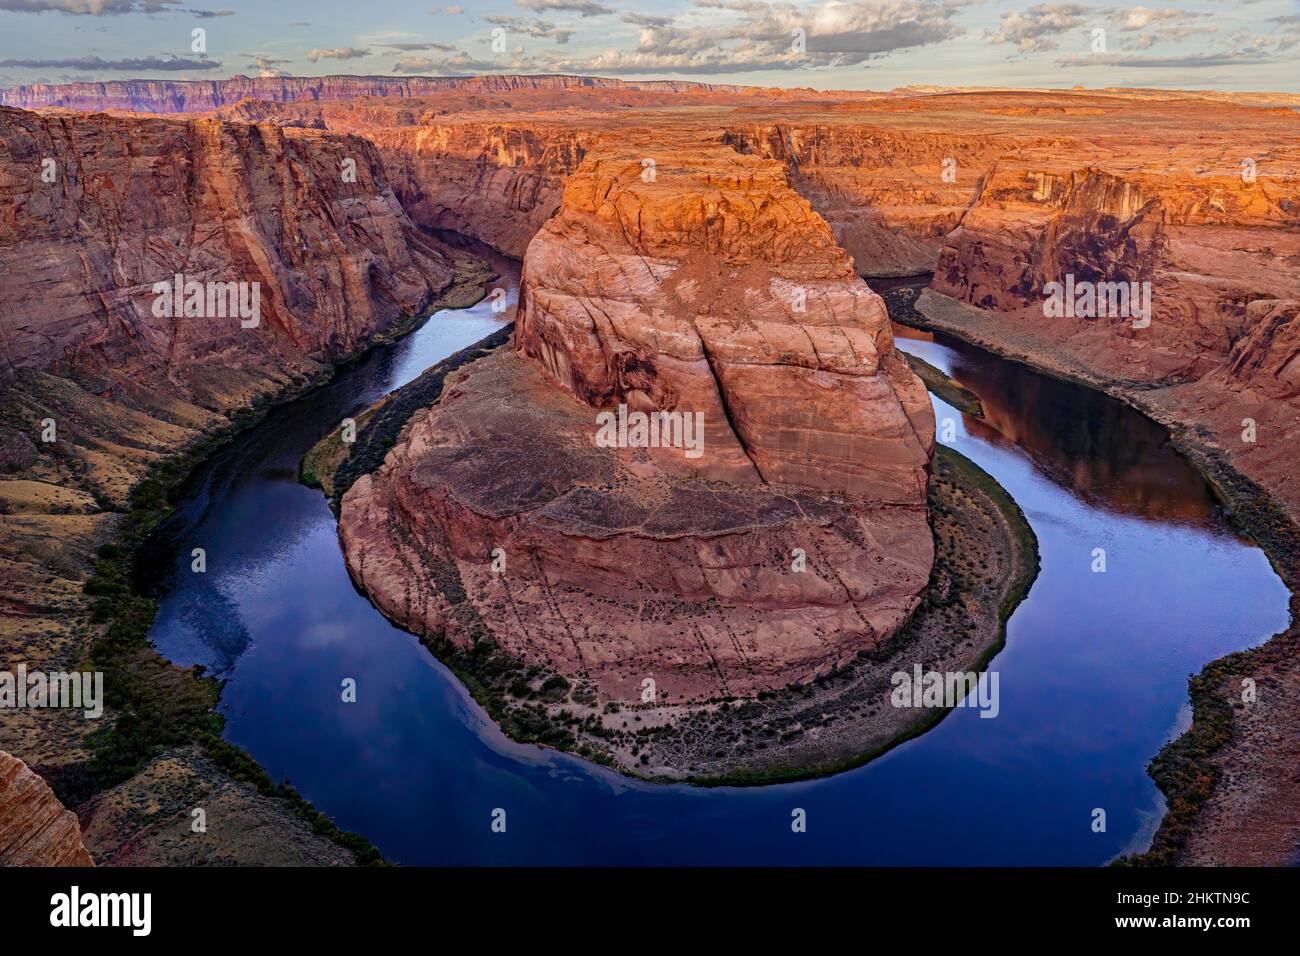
(422, 45)
(460, 62)
(106, 8)
(93, 8)
(757, 35)
(338, 53)
(1139, 18)
(1255, 52)
(642, 20)
(584, 8)
(538, 29)
(267, 66)
(1159, 26)
(95, 63)
(1144, 41)
(1039, 27)
(418, 64)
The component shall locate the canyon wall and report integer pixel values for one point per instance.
(1211, 235)
(1208, 241)
(496, 182)
(890, 196)
(305, 220)
(307, 216)
(710, 293)
(99, 381)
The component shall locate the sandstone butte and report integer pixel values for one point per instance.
(35, 828)
(705, 287)
(1116, 184)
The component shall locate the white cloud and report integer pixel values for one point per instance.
(585, 8)
(338, 53)
(1040, 27)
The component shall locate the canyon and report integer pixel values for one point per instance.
(996, 192)
(100, 390)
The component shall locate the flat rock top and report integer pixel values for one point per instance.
(559, 475)
(670, 198)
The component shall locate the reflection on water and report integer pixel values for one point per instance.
(1092, 444)
(252, 486)
(1093, 676)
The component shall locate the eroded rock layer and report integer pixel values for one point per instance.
(704, 284)
(794, 538)
(100, 209)
(35, 828)
(890, 196)
(1209, 243)
(180, 96)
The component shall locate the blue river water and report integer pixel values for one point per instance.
(1092, 679)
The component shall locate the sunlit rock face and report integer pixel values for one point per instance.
(787, 533)
(704, 283)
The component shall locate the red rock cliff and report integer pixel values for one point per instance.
(35, 829)
(128, 203)
(695, 277)
(890, 196)
(794, 539)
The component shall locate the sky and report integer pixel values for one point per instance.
(827, 44)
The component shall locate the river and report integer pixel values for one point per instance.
(1093, 676)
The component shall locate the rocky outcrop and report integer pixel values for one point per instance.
(35, 829)
(709, 294)
(704, 283)
(1266, 360)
